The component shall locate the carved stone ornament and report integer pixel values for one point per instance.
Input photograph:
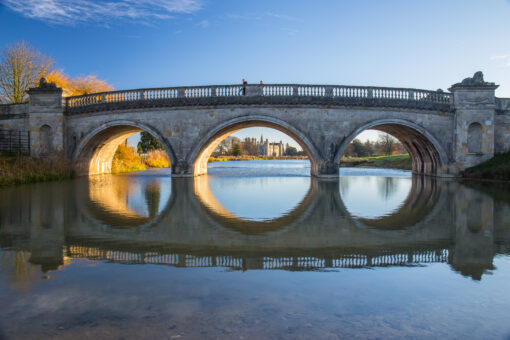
(43, 84)
(475, 81)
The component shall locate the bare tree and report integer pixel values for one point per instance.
(387, 143)
(21, 67)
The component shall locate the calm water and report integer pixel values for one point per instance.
(255, 250)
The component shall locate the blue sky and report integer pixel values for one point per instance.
(151, 43)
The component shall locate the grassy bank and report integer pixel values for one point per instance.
(392, 162)
(497, 168)
(16, 169)
(251, 158)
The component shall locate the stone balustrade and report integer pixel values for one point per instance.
(262, 94)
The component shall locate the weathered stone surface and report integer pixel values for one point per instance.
(440, 130)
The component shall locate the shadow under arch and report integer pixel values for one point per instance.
(427, 154)
(225, 218)
(202, 151)
(94, 153)
(420, 203)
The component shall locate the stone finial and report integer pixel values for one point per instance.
(475, 81)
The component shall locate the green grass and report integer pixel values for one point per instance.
(392, 162)
(496, 168)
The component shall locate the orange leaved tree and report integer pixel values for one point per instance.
(77, 86)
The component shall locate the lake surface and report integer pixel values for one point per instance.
(254, 250)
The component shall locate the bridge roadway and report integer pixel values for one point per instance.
(444, 132)
(192, 230)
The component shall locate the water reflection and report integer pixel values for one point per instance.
(308, 265)
(180, 222)
(383, 195)
(127, 200)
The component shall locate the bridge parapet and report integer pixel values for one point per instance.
(262, 94)
(503, 106)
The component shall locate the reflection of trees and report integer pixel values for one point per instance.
(344, 186)
(387, 187)
(152, 198)
(22, 274)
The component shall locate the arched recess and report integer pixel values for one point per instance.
(427, 154)
(475, 138)
(203, 150)
(46, 140)
(95, 151)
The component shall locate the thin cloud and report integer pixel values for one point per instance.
(280, 16)
(204, 23)
(497, 57)
(67, 12)
(260, 16)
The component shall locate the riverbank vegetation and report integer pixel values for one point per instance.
(496, 168)
(127, 159)
(392, 162)
(19, 169)
(251, 158)
(157, 159)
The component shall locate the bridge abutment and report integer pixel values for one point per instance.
(474, 126)
(46, 121)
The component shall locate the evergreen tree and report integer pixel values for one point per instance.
(148, 142)
(236, 150)
(291, 151)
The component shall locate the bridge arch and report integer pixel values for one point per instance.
(202, 151)
(427, 154)
(95, 151)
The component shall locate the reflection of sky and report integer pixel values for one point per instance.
(136, 199)
(371, 197)
(267, 189)
(259, 198)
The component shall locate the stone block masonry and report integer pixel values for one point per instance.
(444, 132)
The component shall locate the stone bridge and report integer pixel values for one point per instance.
(444, 132)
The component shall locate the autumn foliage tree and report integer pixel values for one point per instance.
(21, 67)
(77, 86)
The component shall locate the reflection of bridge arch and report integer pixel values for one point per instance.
(420, 203)
(225, 218)
(426, 153)
(108, 207)
(322, 199)
(203, 150)
(94, 153)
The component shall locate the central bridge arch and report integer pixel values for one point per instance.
(202, 151)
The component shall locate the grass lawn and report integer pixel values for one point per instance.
(392, 162)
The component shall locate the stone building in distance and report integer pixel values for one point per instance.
(252, 147)
(271, 149)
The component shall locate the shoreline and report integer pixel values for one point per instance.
(253, 158)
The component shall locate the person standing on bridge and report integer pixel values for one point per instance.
(245, 83)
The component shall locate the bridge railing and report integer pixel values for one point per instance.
(331, 92)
